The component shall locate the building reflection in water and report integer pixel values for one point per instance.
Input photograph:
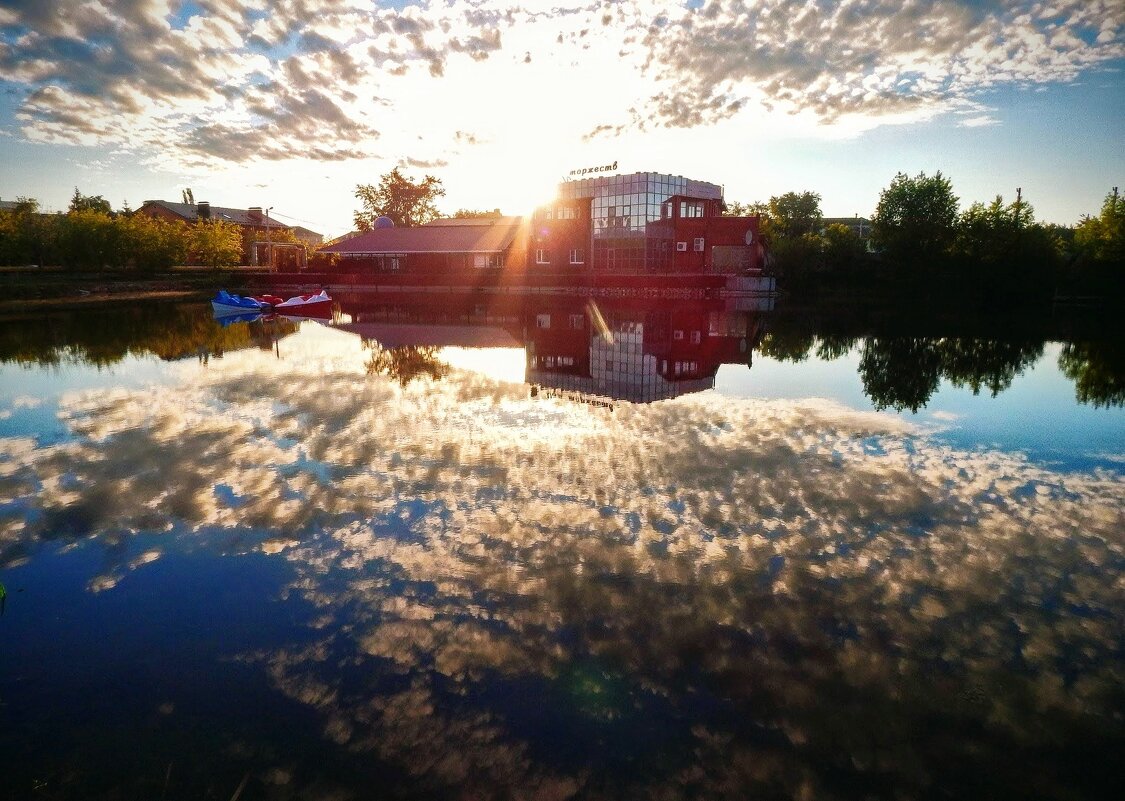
(638, 349)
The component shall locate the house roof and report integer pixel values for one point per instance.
(474, 221)
(190, 211)
(485, 236)
(301, 231)
(394, 335)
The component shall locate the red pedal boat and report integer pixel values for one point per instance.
(315, 305)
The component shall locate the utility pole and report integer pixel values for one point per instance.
(269, 244)
(1019, 224)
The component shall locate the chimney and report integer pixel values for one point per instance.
(254, 213)
(203, 210)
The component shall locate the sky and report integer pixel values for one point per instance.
(290, 104)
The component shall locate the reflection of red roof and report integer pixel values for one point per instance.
(479, 236)
(393, 335)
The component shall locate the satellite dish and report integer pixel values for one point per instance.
(384, 222)
(749, 236)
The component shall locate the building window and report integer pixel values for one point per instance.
(691, 209)
(567, 213)
(484, 261)
(577, 256)
(577, 321)
(543, 321)
(390, 263)
(542, 256)
(609, 365)
(699, 244)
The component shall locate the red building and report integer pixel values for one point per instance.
(452, 251)
(621, 229)
(642, 224)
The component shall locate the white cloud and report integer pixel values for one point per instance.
(343, 80)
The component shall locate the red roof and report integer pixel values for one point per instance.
(393, 335)
(486, 236)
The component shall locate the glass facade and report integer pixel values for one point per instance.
(623, 210)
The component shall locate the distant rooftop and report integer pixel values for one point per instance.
(190, 211)
(455, 236)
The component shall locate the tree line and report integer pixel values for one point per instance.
(921, 242)
(89, 235)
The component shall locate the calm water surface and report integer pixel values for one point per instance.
(555, 549)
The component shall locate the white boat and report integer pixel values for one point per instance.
(315, 305)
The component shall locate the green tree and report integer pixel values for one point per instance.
(216, 243)
(794, 214)
(916, 218)
(477, 214)
(96, 203)
(1004, 252)
(737, 209)
(149, 244)
(407, 203)
(1102, 238)
(843, 249)
(88, 239)
(26, 236)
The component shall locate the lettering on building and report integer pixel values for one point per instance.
(589, 170)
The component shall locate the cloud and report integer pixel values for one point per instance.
(185, 85)
(221, 80)
(865, 57)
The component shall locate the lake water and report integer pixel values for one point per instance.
(553, 548)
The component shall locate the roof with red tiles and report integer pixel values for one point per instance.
(460, 236)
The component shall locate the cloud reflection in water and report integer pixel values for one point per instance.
(695, 598)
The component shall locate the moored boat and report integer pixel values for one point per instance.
(226, 303)
(315, 305)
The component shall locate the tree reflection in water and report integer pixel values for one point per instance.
(903, 372)
(1098, 371)
(405, 362)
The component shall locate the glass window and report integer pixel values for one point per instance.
(543, 321)
(577, 256)
(542, 256)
